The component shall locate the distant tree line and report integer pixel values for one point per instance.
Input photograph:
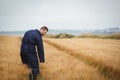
(88, 35)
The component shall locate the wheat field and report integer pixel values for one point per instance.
(103, 54)
(65, 59)
(62, 66)
(11, 67)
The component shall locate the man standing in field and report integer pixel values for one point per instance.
(28, 53)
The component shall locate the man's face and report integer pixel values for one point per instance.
(43, 32)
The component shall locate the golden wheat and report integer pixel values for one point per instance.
(105, 54)
(11, 67)
(61, 66)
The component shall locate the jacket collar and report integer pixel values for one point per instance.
(38, 31)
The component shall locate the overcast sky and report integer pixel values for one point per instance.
(59, 14)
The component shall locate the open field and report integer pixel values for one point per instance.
(62, 66)
(66, 59)
(103, 54)
(11, 67)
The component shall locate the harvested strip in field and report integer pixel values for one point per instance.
(101, 53)
(61, 66)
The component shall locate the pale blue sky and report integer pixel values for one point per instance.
(59, 14)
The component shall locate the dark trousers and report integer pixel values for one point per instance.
(32, 76)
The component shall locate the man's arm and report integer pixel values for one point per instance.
(22, 57)
(40, 49)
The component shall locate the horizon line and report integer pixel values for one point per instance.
(59, 29)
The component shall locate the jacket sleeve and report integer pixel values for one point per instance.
(22, 57)
(40, 49)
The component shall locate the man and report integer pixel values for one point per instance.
(28, 53)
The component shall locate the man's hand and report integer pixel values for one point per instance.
(25, 65)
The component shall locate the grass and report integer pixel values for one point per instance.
(62, 66)
(11, 67)
(103, 36)
(61, 35)
(100, 53)
(65, 59)
(87, 35)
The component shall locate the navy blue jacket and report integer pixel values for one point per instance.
(30, 41)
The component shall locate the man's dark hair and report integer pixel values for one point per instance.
(44, 27)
